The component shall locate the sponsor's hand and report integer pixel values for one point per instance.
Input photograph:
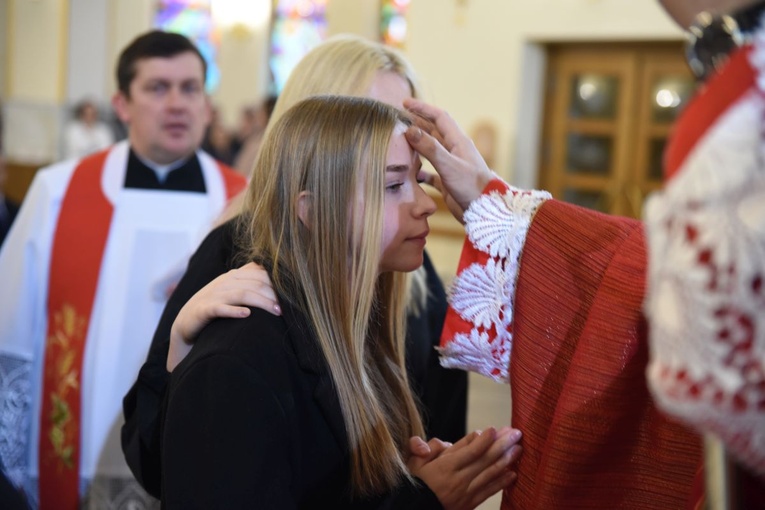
(228, 295)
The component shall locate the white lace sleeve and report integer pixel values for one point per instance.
(706, 286)
(483, 292)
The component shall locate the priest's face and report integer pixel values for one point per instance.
(167, 110)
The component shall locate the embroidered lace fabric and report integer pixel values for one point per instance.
(706, 299)
(483, 294)
(15, 403)
(117, 494)
(15, 415)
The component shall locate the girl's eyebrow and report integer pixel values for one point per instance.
(397, 168)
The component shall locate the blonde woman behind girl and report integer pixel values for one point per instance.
(313, 409)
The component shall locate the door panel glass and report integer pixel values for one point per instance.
(594, 96)
(669, 95)
(586, 154)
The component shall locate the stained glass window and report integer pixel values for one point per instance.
(393, 22)
(193, 19)
(299, 25)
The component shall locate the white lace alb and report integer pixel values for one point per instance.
(706, 290)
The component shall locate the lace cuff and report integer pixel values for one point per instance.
(478, 333)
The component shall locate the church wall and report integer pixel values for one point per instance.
(35, 77)
(88, 22)
(37, 48)
(245, 53)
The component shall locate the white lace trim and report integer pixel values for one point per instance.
(103, 493)
(15, 416)
(496, 224)
(706, 281)
(117, 494)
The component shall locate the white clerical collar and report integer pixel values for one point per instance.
(161, 170)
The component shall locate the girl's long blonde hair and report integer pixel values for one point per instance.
(333, 150)
(346, 65)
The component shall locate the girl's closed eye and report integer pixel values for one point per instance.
(394, 187)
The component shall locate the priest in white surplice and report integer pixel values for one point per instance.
(85, 272)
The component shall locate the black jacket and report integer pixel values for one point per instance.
(442, 392)
(251, 419)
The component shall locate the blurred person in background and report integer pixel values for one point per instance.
(218, 141)
(250, 136)
(86, 133)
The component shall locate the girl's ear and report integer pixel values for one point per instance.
(304, 208)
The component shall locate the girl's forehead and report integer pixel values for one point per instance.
(400, 153)
(399, 129)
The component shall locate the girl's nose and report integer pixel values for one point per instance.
(425, 206)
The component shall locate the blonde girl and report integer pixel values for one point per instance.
(313, 409)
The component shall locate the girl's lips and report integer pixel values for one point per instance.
(420, 236)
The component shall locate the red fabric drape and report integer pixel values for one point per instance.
(593, 438)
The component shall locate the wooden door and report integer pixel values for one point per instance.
(608, 113)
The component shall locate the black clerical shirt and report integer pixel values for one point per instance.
(187, 177)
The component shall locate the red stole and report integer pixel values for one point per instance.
(77, 252)
(78, 246)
